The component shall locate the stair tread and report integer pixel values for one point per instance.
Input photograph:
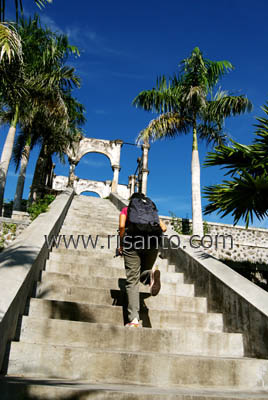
(125, 330)
(141, 353)
(188, 393)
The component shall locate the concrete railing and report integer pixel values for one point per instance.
(118, 201)
(21, 264)
(244, 305)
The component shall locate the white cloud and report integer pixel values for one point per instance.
(88, 41)
(50, 23)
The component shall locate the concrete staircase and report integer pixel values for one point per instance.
(72, 343)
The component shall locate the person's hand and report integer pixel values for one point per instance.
(120, 250)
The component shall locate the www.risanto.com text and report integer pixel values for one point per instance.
(140, 242)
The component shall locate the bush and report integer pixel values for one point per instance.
(183, 226)
(7, 230)
(40, 206)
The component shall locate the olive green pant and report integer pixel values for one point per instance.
(138, 264)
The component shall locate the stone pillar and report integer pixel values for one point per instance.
(116, 169)
(145, 171)
(131, 184)
(72, 176)
(116, 164)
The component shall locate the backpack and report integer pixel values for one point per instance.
(142, 217)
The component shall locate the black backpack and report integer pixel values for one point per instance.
(142, 217)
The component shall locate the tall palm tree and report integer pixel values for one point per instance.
(246, 193)
(51, 98)
(36, 83)
(188, 102)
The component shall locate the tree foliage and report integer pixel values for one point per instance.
(191, 101)
(187, 99)
(246, 193)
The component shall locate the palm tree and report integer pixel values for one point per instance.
(51, 98)
(36, 83)
(246, 194)
(188, 102)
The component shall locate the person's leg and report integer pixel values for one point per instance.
(148, 257)
(132, 267)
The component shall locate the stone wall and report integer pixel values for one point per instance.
(228, 242)
(21, 264)
(10, 229)
(102, 188)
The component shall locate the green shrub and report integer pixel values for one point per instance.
(40, 206)
(183, 226)
(7, 228)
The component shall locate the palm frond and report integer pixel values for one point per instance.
(242, 197)
(159, 101)
(42, 3)
(165, 126)
(226, 105)
(216, 70)
(212, 133)
(10, 43)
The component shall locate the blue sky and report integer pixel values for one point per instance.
(124, 47)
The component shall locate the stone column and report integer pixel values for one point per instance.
(131, 184)
(116, 163)
(116, 169)
(145, 171)
(72, 176)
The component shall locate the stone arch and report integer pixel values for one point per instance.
(110, 148)
(94, 163)
(103, 189)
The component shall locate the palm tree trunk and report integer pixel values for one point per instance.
(6, 155)
(37, 178)
(21, 178)
(196, 193)
(42, 171)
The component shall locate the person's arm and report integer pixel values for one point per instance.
(122, 227)
(162, 225)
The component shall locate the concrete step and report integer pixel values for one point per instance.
(51, 389)
(109, 255)
(110, 216)
(98, 267)
(74, 311)
(54, 291)
(163, 370)
(180, 289)
(83, 242)
(84, 247)
(93, 227)
(81, 220)
(73, 255)
(176, 341)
